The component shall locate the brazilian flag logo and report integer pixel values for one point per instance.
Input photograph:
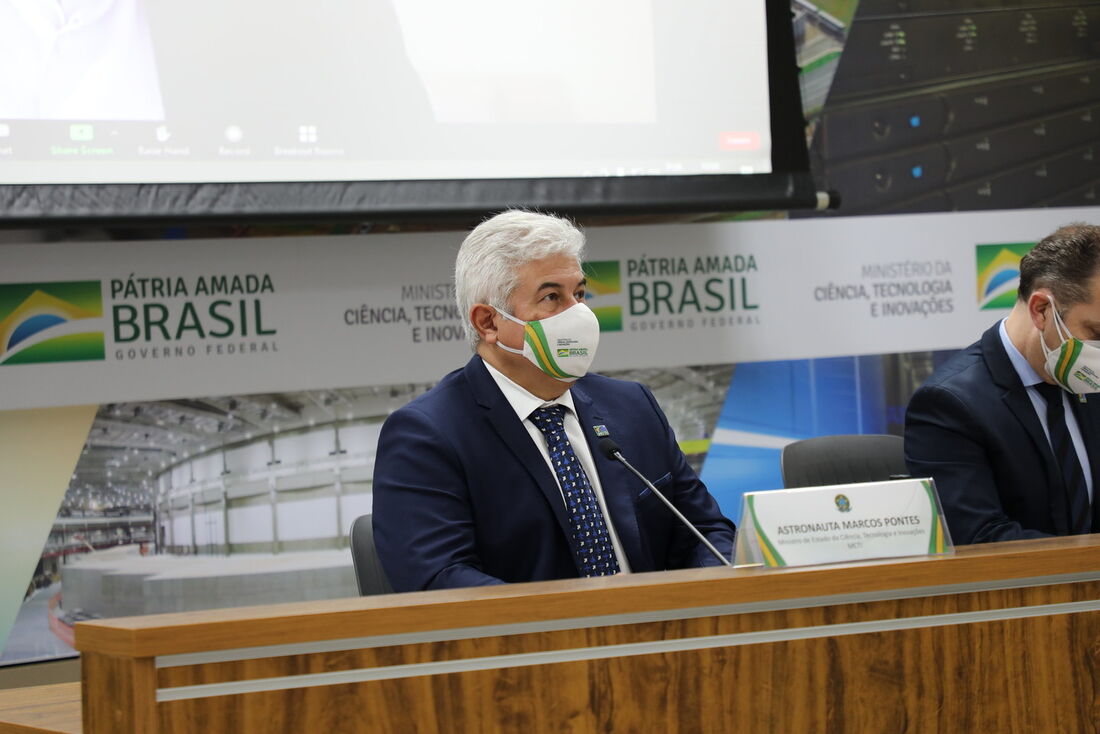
(51, 322)
(998, 268)
(604, 287)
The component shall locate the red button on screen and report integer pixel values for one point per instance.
(739, 140)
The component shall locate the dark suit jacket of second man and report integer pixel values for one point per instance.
(973, 428)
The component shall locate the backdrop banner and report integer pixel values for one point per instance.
(89, 322)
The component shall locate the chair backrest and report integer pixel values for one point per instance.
(824, 460)
(369, 574)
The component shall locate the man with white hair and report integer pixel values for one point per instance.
(493, 476)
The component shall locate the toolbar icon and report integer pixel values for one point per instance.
(81, 131)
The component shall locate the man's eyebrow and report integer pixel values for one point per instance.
(551, 284)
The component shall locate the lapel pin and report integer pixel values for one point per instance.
(601, 431)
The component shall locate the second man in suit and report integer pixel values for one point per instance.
(1005, 427)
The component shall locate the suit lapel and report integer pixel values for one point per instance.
(1016, 398)
(614, 479)
(511, 431)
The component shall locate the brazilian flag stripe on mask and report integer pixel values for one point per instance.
(536, 337)
(1070, 351)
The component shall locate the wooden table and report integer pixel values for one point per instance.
(1002, 637)
(41, 710)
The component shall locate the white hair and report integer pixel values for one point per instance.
(490, 256)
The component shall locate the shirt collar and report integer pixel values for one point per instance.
(1027, 373)
(521, 400)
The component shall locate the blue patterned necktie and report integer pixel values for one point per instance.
(1077, 493)
(590, 539)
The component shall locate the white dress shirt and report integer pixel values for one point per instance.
(524, 403)
(1031, 378)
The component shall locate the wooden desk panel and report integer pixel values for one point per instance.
(1003, 637)
(1031, 674)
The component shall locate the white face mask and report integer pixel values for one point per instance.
(1075, 366)
(563, 345)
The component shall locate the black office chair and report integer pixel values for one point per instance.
(815, 462)
(369, 574)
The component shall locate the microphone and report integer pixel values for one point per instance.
(611, 450)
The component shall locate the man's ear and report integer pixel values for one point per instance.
(1039, 308)
(483, 317)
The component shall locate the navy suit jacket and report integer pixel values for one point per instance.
(462, 496)
(973, 428)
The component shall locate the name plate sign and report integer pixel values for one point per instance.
(841, 522)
